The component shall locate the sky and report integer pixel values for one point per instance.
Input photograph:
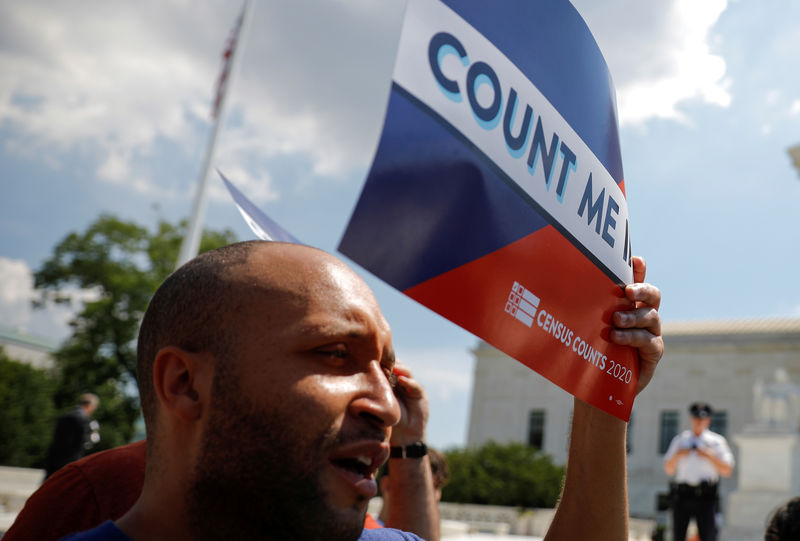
(105, 108)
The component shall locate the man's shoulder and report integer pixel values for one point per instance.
(387, 534)
(130, 456)
(107, 531)
(72, 416)
(83, 494)
(682, 436)
(714, 437)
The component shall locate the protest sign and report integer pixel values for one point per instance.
(496, 195)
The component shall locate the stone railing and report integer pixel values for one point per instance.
(516, 521)
(16, 485)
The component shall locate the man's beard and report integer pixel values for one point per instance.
(259, 477)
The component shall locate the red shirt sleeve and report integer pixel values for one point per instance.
(82, 495)
(369, 523)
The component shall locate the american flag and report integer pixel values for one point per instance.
(227, 58)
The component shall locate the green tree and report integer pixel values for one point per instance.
(26, 413)
(121, 264)
(510, 474)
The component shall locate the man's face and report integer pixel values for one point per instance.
(301, 412)
(699, 424)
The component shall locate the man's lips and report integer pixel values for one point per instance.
(357, 463)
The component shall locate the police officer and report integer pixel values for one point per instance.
(697, 458)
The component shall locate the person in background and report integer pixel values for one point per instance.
(697, 458)
(441, 475)
(74, 434)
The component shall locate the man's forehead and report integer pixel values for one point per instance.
(313, 284)
(291, 264)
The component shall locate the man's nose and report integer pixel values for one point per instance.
(376, 399)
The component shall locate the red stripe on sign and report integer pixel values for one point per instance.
(567, 341)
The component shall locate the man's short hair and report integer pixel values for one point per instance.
(89, 399)
(784, 523)
(194, 310)
(439, 468)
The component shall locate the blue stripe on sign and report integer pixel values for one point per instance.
(549, 42)
(413, 224)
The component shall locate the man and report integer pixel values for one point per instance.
(266, 380)
(105, 485)
(697, 458)
(75, 432)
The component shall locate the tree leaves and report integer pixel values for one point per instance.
(26, 413)
(117, 265)
(510, 474)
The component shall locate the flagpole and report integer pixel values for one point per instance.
(194, 231)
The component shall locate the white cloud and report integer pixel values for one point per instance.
(16, 296)
(322, 98)
(443, 372)
(772, 97)
(659, 54)
(257, 188)
(114, 81)
(111, 78)
(447, 375)
(794, 109)
(16, 289)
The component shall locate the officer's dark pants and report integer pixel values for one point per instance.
(701, 508)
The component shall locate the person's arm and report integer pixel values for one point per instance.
(723, 467)
(673, 454)
(671, 463)
(413, 507)
(594, 502)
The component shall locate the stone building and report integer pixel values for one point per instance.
(721, 362)
(27, 348)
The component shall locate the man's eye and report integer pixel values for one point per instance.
(336, 354)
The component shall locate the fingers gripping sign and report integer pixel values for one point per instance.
(641, 326)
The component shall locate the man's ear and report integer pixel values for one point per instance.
(182, 381)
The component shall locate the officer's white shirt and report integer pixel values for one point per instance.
(693, 468)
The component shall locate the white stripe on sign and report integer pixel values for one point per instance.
(530, 297)
(562, 175)
(527, 307)
(523, 317)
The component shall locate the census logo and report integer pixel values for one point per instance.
(522, 304)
